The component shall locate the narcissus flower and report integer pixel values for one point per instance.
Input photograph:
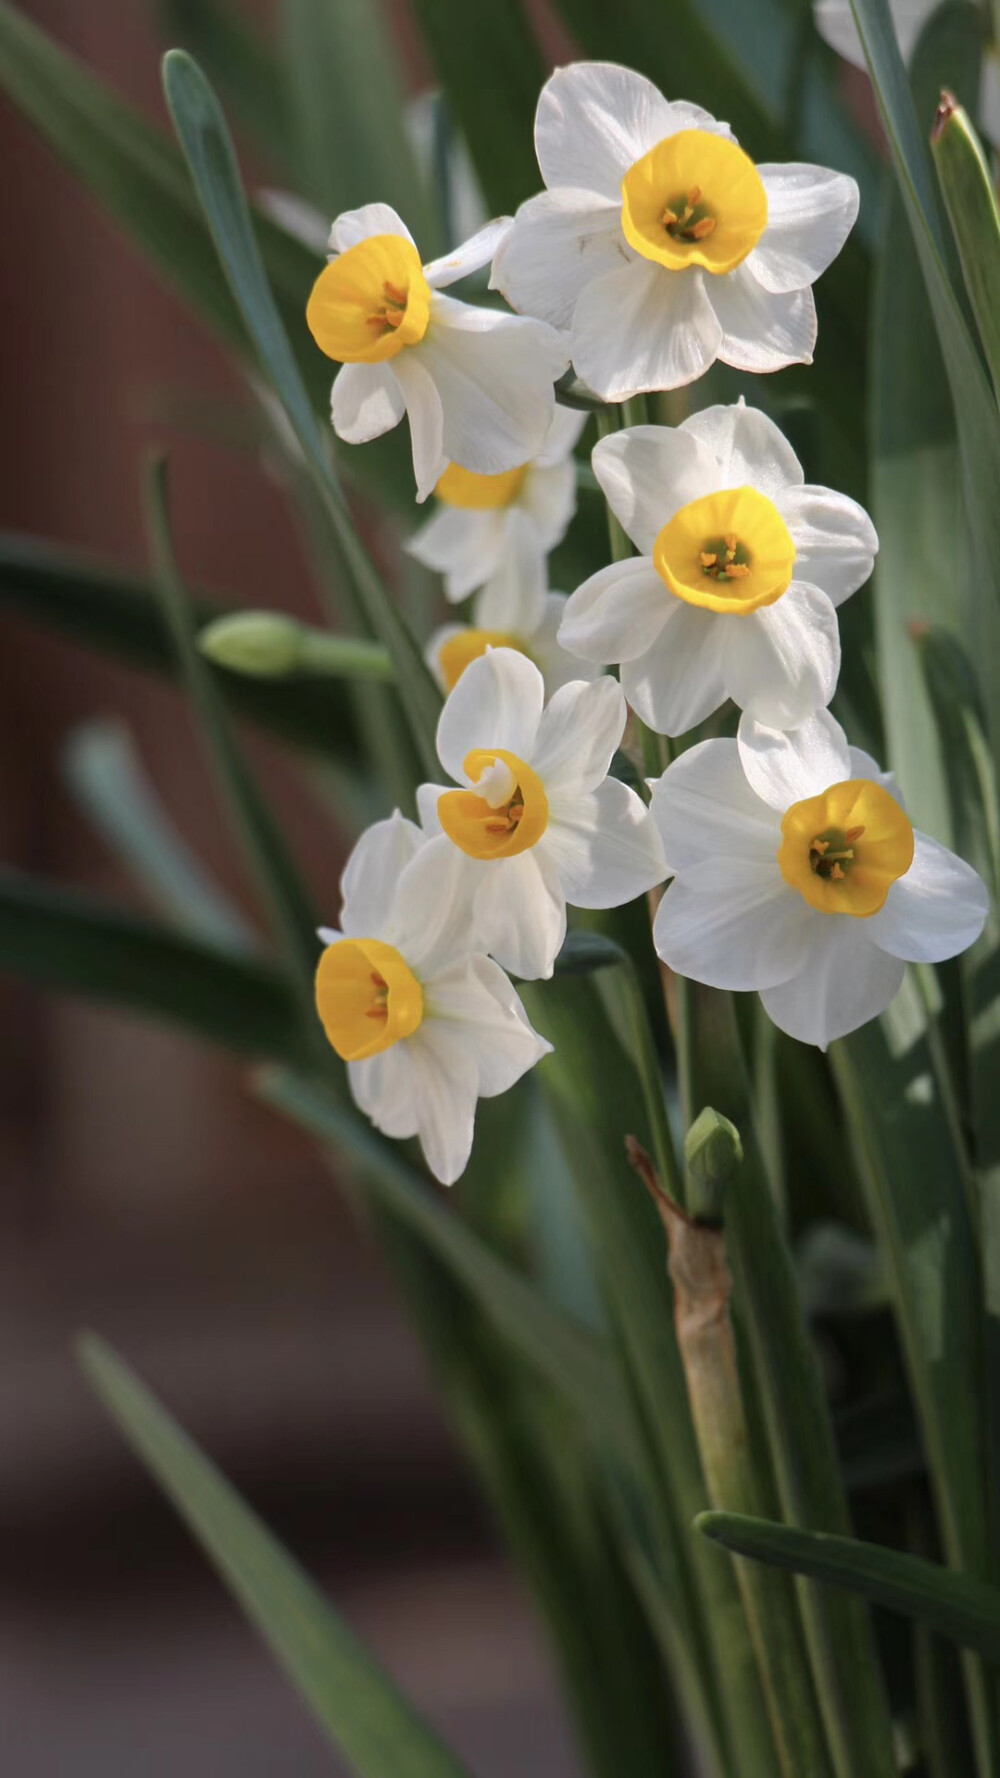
(426, 1022)
(740, 567)
(469, 537)
(477, 384)
(797, 873)
(659, 246)
(515, 610)
(538, 823)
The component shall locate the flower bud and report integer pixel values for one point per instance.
(262, 643)
(713, 1153)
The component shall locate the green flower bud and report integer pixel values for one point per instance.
(714, 1153)
(262, 643)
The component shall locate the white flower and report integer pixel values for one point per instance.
(515, 610)
(539, 823)
(741, 566)
(469, 536)
(835, 22)
(797, 873)
(659, 246)
(477, 384)
(425, 1021)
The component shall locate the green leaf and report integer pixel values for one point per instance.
(356, 1705)
(490, 66)
(971, 202)
(103, 768)
(969, 770)
(348, 110)
(558, 1347)
(117, 614)
(202, 131)
(244, 63)
(583, 952)
(953, 1605)
(291, 911)
(74, 944)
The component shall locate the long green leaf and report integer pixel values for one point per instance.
(971, 202)
(953, 1605)
(354, 1702)
(98, 606)
(202, 131)
(243, 62)
(562, 1350)
(68, 941)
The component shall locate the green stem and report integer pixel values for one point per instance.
(609, 421)
(648, 1065)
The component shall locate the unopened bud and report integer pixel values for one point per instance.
(713, 1153)
(262, 643)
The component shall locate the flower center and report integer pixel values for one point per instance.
(507, 813)
(844, 849)
(728, 552)
(367, 997)
(694, 199)
(370, 302)
(480, 493)
(466, 646)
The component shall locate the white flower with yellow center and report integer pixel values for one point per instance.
(740, 569)
(835, 22)
(515, 610)
(426, 1022)
(481, 516)
(477, 384)
(797, 873)
(659, 246)
(538, 823)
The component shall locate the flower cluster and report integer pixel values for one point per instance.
(656, 247)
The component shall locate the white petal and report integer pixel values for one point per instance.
(846, 981)
(436, 642)
(835, 22)
(749, 449)
(477, 1007)
(497, 704)
(642, 328)
(366, 401)
(781, 662)
(810, 213)
(470, 256)
(560, 240)
(426, 417)
(462, 544)
(594, 120)
(835, 540)
(647, 473)
(605, 846)
(427, 802)
(432, 913)
(548, 499)
(444, 1091)
(937, 910)
(297, 217)
(557, 665)
(371, 874)
(494, 375)
(617, 614)
(514, 596)
(762, 331)
(578, 734)
(520, 913)
(734, 925)
(785, 766)
(706, 811)
(681, 679)
(384, 1087)
(354, 226)
(864, 766)
(567, 425)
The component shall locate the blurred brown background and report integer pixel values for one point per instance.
(144, 1193)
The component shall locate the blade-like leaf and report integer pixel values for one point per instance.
(564, 1352)
(971, 202)
(203, 135)
(67, 941)
(953, 1605)
(354, 1702)
(243, 62)
(94, 604)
